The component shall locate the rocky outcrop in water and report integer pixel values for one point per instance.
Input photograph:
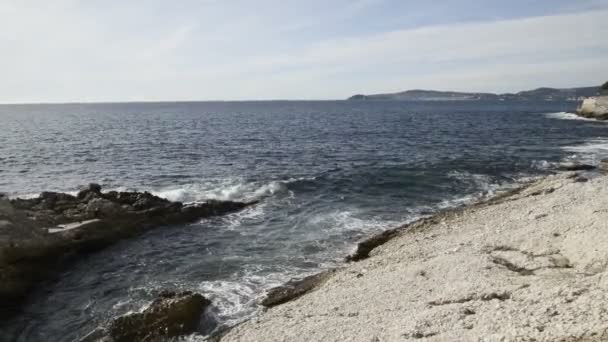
(172, 314)
(37, 234)
(594, 108)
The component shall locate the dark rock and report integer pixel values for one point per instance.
(75, 214)
(294, 289)
(502, 296)
(95, 188)
(37, 235)
(172, 314)
(366, 246)
(91, 189)
(122, 197)
(572, 166)
(468, 311)
(147, 201)
(6, 208)
(100, 207)
(48, 199)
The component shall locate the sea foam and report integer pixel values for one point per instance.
(567, 116)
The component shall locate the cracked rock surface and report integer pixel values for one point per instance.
(529, 267)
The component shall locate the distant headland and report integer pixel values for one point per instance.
(540, 94)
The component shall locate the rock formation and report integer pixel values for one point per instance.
(594, 107)
(172, 314)
(37, 234)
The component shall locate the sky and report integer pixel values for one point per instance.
(119, 50)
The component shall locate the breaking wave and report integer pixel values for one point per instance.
(567, 116)
(228, 190)
(592, 151)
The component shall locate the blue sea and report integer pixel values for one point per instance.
(326, 173)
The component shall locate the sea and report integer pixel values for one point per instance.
(326, 174)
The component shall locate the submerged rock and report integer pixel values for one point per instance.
(172, 314)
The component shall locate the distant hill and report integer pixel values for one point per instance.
(544, 94)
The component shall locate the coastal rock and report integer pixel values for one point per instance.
(101, 207)
(294, 289)
(574, 166)
(92, 188)
(172, 314)
(37, 234)
(594, 107)
(6, 208)
(366, 246)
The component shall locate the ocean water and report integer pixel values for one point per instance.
(327, 174)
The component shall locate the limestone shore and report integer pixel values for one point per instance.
(531, 266)
(594, 108)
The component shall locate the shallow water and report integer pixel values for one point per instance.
(327, 174)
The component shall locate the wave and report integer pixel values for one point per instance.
(477, 181)
(599, 145)
(591, 152)
(542, 164)
(483, 188)
(232, 189)
(236, 300)
(30, 195)
(567, 116)
(235, 220)
(349, 220)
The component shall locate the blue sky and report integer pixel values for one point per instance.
(77, 50)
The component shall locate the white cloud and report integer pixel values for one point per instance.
(69, 52)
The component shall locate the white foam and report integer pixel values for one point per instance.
(230, 189)
(486, 189)
(30, 195)
(252, 213)
(590, 152)
(568, 116)
(238, 300)
(542, 164)
(227, 189)
(480, 181)
(347, 220)
(599, 145)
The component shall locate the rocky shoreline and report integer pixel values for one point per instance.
(39, 235)
(527, 265)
